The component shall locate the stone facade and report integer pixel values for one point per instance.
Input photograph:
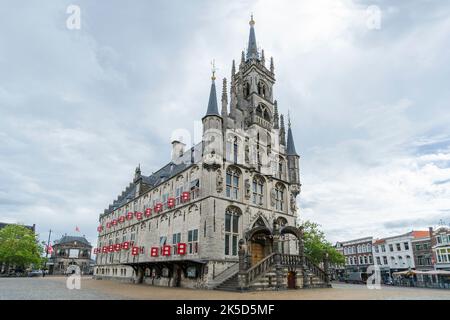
(68, 253)
(237, 189)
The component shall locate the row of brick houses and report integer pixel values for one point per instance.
(416, 250)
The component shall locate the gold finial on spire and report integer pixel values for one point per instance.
(252, 22)
(213, 69)
(289, 118)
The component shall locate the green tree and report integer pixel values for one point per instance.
(316, 245)
(20, 247)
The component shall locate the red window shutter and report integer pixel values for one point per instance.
(135, 251)
(181, 249)
(154, 251)
(148, 212)
(139, 215)
(130, 215)
(108, 225)
(171, 202)
(185, 196)
(166, 250)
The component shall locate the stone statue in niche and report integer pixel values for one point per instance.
(247, 154)
(247, 188)
(273, 197)
(219, 181)
(293, 203)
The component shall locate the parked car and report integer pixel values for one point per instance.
(356, 277)
(35, 273)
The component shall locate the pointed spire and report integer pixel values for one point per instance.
(272, 68)
(290, 140)
(212, 103)
(233, 69)
(242, 57)
(252, 51)
(276, 123)
(282, 131)
(263, 58)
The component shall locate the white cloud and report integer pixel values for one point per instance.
(79, 110)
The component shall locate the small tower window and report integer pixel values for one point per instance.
(235, 150)
(262, 89)
(246, 89)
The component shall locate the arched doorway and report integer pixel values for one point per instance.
(260, 243)
(292, 280)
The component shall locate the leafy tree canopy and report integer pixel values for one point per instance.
(19, 246)
(316, 245)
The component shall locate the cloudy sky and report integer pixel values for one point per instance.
(369, 102)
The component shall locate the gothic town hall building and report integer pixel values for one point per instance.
(222, 214)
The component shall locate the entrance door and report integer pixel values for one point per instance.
(257, 251)
(292, 280)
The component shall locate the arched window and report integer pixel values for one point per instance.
(269, 144)
(280, 168)
(233, 175)
(279, 197)
(235, 149)
(259, 111)
(246, 89)
(262, 89)
(231, 231)
(258, 190)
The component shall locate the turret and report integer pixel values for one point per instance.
(212, 127)
(293, 161)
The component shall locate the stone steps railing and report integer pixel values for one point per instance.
(225, 275)
(284, 260)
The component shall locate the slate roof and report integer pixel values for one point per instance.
(68, 239)
(252, 51)
(290, 144)
(165, 173)
(213, 110)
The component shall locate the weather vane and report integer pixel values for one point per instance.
(213, 69)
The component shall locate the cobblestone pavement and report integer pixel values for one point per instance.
(55, 288)
(48, 288)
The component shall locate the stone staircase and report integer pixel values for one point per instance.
(231, 284)
(263, 275)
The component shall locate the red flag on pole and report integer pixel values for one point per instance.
(50, 249)
(77, 229)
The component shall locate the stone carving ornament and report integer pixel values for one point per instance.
(219, 181)
(247, 188)
(293, 203)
